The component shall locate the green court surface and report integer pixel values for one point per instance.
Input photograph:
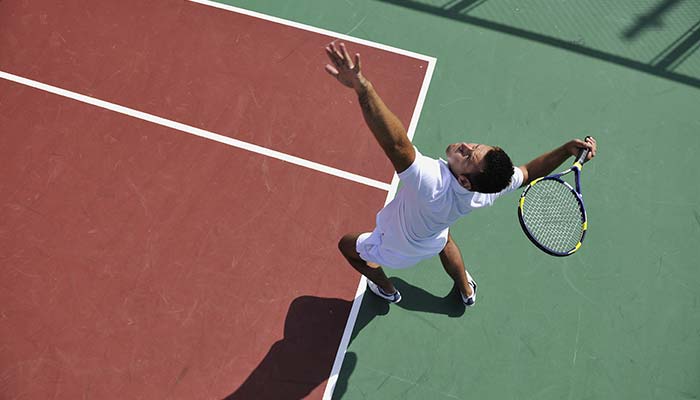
(618, 320)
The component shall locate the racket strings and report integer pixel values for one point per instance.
(552, 214)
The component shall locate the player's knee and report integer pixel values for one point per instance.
(346, 242)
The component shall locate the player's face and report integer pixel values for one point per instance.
(466, 160)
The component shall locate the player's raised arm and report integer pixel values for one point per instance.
(386, 127)
(547, 162)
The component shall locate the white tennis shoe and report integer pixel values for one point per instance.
(392, 298)
(469, 300)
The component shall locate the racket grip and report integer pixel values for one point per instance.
(582, 154)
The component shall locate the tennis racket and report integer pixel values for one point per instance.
(551, 211)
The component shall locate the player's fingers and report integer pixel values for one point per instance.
(358, 63)
(329, 53)
(580, 143)
(577, 145)
(337, 54)
(332, 56)
(346, 56)
(583, 143)
(592, 147)
(332, 70)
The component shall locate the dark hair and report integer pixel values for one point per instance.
(497, 172)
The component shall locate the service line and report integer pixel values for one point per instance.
(196, 131)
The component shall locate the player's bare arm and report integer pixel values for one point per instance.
(385, 126)
(547, 162)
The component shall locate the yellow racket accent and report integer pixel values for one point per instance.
(575, 248)
(551, 211)
(536, 180)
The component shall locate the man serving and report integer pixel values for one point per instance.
(434, 193)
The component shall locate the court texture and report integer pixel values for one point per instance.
(176, 175)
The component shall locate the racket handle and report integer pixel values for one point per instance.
(582, 155)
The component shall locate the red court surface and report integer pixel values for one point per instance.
(141, 262)
(225, 72)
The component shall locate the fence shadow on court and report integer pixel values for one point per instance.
(679, 50)
(297, 364)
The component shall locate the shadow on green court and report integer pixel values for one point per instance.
(413, 299)
(650, 20)
(681, 45)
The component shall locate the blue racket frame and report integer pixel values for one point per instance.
(576, 169)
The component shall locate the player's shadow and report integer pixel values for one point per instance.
(302, 360)
(417, 299)
(298, 363)
(412, 298)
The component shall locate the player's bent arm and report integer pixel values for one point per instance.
(547, 162)
(386, 128)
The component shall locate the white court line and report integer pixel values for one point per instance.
(432, 61)
(362, 285)
(196, 131)
(314, 29)
(390, 188)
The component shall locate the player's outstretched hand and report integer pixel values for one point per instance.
(344, 69)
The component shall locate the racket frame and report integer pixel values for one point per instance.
(576, 169)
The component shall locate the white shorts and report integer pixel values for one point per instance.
(369, 246)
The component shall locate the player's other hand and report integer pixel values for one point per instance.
(575, 145)
(344, 69)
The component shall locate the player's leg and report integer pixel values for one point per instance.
(451, 259)
(373, 272)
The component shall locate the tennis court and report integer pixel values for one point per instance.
(176, 176)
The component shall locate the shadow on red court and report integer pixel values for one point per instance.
(302, 360)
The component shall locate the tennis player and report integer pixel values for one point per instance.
(435, 193)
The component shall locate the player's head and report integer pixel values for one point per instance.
(479, 167)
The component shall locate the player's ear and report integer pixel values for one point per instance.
(465, 182)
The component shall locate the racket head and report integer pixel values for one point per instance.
(552, 215)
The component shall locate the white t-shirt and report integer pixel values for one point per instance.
(415, 223)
